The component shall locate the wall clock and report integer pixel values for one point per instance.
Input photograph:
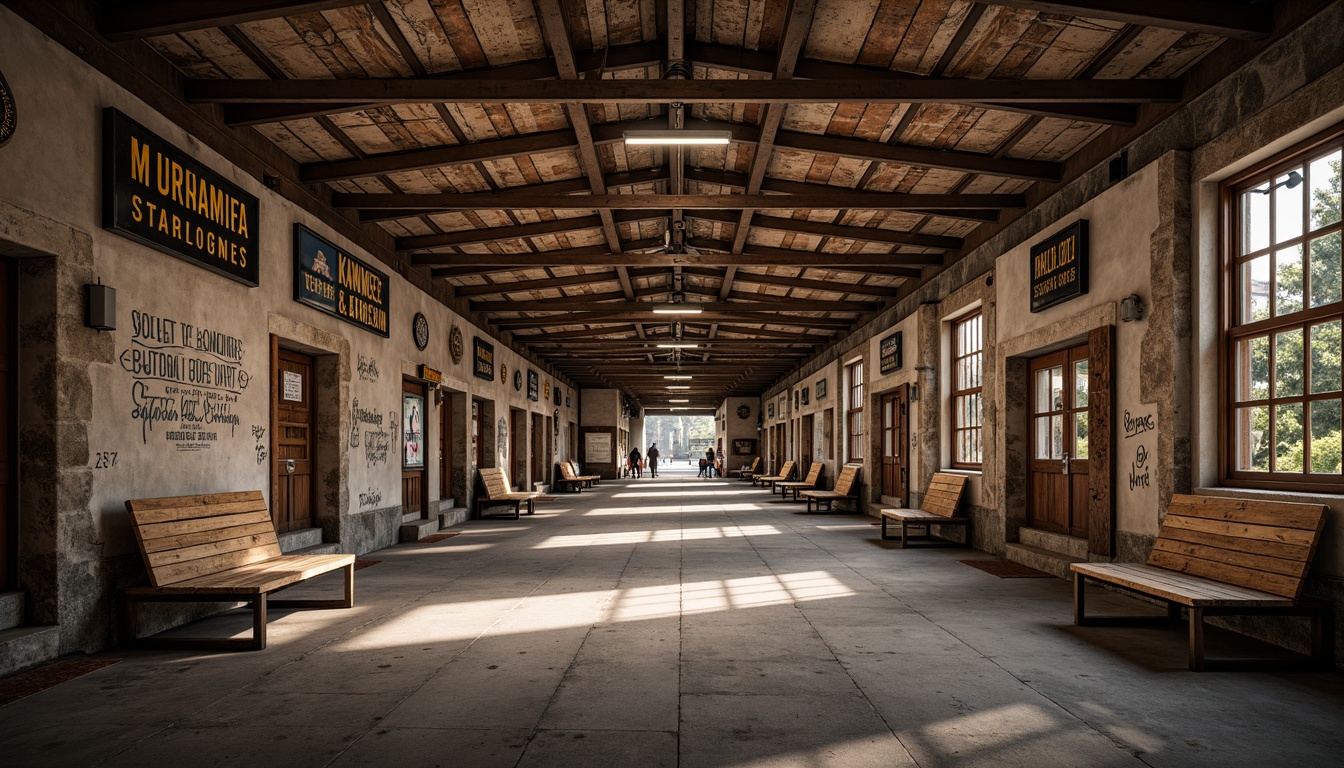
(743, 411)
(420, 327)
(455, 344)
(518, 379)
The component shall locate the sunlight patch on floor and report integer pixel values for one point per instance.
(680, 494)
(670, 534)
(670, 509)
(726, 594)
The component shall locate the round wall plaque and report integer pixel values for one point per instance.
(420, 326)
(518, 379)
(503, 372)
(743, 411)
(9, 113)
(455, 344)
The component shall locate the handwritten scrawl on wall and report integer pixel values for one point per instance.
(368, 428)
(185, 381)
(1137, 425)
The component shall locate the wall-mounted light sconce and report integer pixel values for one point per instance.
(1131, 308)
(440, 394)
(914, 393)
(100, 307)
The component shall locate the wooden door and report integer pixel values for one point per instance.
(538, 440)
(517, 444)
(477, 437)
(9, 431)
(805, 446)
(414, 490)
(293, 415)
(1059, 428)
(446, 449)
(896, 443)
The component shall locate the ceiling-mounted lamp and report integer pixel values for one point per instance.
(677, 346)
(681, 400)
(677, 386)
(677, 138)
(676, 303)
(678, 377)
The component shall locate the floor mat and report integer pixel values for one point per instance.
(436, 537)
(365, 563)
(36, 680)
(1007, 569)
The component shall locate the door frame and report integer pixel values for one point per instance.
(900, 399)
(313, 462)
(1066, 360)
(414, 387)
(9, 340)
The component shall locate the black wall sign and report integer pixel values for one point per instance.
(890, 352)
(533, 386)
(1059, 267)
(483, 357)
(155, 194)
(332, 281)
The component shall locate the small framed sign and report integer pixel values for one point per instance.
(891, 352)
(533, 386)
(821, 388)
(805, 399)
(770, 410)
(483, 355)
(412, 430)
(1059, 267)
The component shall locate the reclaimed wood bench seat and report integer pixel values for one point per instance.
(846, 489)
(219, 547)
(806, 484)
(746, 473)
(588, 480)
(939, 507)
(499, 493)
(785, 472)
(1222, 557)
(568, 479)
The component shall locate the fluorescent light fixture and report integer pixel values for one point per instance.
(677, 309)
(683, 400)
(678, 377)
(674, 138)
(677, 346)
(675, 386)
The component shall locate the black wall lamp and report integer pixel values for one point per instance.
(100, 307)
(1131, 308)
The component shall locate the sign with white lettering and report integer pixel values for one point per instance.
(155, 194)
(1059, 267)
(332, 281)
(484, 358)
(890, 353)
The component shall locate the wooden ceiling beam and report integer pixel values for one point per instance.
(1222, 19)
(847, 287)
(841, 231)
(533, 285)
(152, 18)
(763, 318)
(609, 301)
(397, 90)
(521, 199)
(600, 256)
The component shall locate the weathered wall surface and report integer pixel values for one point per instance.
(107, 425)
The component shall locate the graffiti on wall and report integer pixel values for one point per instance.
(258, 434)
(186, 381)
(367, 368)
(1140, 472)
(368, 429)
(502, 442)
(370, 498)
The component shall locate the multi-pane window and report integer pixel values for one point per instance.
(854, 416)
(1286, 305)
(968, 375)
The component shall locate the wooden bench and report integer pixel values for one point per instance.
(939, 507)
(219, 548)
(588, 480)
(785, 472)
(568, 479)
(749, 472)
(806, 484)
(1221, 557)
(846, 489)
(499, 493)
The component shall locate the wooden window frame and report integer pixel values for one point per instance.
(958, 394)
(854, 386)
(1231, 333)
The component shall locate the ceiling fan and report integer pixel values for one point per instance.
(674, 240)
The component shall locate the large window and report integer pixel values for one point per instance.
(968, 374)
(854, 416)
(1284, 311)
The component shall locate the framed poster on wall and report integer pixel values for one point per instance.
(412, 430)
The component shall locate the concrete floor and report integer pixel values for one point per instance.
(681, 622)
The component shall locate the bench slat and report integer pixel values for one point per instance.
(256, 578)
(173, 573)
(209, 549)
(157, 531)
(150, 546)
(1294, 567)
(1280, 514)
(183, 509)
(1178, 588)
(1241, 530)
(845, 482)
(1254, 546)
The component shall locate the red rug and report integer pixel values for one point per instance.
(365, 563)
(37, 680)
(436, 537)
(1007, 569)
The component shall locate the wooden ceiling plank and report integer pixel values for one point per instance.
(599, 256)
(642, 91)
(1231, 20)
(153, 18)
(612, 302)
(533, 285)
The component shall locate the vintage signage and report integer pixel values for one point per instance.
(890, 353)
(431, 375)
(412, 431)
(484, 358)
(157, 195)
(597, 448)
(533, 386)
(332, 281)
(291, 390)
(1059, 267)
